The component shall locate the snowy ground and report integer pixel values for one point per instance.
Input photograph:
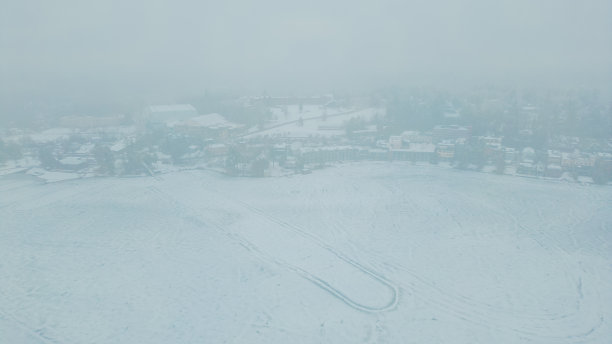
(362, 253)
(316, 121)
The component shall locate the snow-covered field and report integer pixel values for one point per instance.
(362, 253)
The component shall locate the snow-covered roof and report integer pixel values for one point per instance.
(86, 148)
(118, 146)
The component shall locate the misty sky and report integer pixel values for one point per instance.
(175, 47)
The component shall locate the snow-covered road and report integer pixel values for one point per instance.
(362, 253)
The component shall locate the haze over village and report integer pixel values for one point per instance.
(562, 136)
(306, 172)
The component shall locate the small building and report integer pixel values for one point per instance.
(510, 155)
(493, 149)
(567, 160)
(528, 155)
(584, 160)
(553, 157)
(578, 162)
(395, 142)
(445, 150)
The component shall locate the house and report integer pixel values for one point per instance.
(581, 163)
(567, 160)
(395, 142)
(493, 149)
(510, 155)
(445, 150)
(528, 155)
(553, 157)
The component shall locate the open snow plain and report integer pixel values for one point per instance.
(364, 253)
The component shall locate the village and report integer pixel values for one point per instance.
(296, 135)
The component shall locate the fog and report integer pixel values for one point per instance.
(170, 48)
(277, 171)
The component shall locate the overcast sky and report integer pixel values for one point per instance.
(285, 46)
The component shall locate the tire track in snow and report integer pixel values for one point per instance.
(374, 275)
(190, 214)
(39, 334)
(536, 326)
(489, 315)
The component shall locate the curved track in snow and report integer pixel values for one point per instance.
(397, 251)
(311, 276)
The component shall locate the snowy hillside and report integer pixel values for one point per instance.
(362, 253)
